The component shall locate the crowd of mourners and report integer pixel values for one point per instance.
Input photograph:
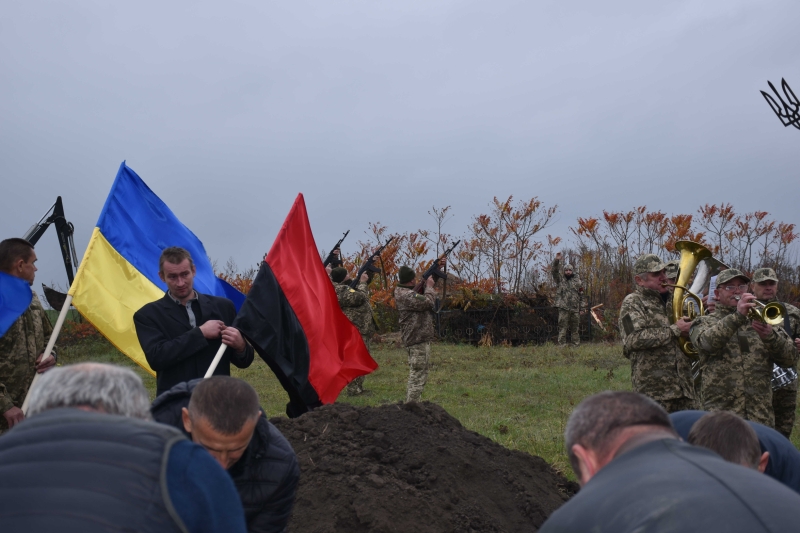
(692, 448)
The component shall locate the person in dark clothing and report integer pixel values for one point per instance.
(181, 333)
(784, 459)
(88, 459)
(223, 415)
(636, 475)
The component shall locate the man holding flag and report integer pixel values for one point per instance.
(181, 332)
(22, 345)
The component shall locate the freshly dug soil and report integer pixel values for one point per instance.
(413, 468)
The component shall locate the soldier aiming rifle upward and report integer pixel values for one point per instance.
(334, 258)
(369, 264)
(438, 270)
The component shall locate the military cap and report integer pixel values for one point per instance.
(726, 275)
(764, 274)
(568, 266)
(672, 269)
(338, 274)
(648, 263)
(406, 274)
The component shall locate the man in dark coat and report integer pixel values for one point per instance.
(222, 414)
(181, 333)
(636, 475)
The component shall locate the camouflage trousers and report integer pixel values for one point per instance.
(568, 321)
(356, 387)
(419, 356)
(673, 405)
(784, 403)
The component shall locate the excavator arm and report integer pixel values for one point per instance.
(64, 232)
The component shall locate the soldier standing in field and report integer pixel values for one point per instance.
(659, 369)
(784, 399)
(22, 346)
(569, 298)
(355, 305)
(737, 354)
(416, 328)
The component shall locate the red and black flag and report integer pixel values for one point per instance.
(292, 318)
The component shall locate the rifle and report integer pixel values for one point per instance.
(434, 270)
(368, 265)
(333, 259)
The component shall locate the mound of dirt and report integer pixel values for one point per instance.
(413, 467)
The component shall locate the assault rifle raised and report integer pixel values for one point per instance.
(333, 259)
(435, 269)
(369, 265)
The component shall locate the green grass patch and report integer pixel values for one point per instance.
(520, 397)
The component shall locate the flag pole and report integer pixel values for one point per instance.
(215, 362)
(52, 342)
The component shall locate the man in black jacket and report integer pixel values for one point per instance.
(181, 332)
(222, 414)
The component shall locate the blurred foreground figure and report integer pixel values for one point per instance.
(637, 476)
(784, 459)
(88, 459)
(222, 415)
(730, 437)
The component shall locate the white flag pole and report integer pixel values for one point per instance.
(215, 362)
(52, 342)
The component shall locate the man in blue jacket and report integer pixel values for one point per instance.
(88, 459)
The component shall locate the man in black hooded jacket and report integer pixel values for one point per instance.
(222, 414)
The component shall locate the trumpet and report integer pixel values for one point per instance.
(772, 313)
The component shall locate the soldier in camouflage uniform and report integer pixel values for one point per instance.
(569, 300)
(22, 346)
(784, 399)
(659, 369)
(355, 305)
(416, 328)
(671, 270)
(736, 354)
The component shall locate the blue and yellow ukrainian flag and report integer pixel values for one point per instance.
(119, 271)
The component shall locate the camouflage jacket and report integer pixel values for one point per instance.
(569, 292)
(355, 305)
(19, 348)
(416, 314)
(659, 369)
(737, 364)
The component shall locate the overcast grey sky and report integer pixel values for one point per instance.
(378, 110)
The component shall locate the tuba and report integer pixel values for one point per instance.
(685, 301)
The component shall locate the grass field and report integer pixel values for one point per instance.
(520, 397)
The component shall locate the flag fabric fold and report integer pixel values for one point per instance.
(292, 318)
(119, 271)
(15, 298)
